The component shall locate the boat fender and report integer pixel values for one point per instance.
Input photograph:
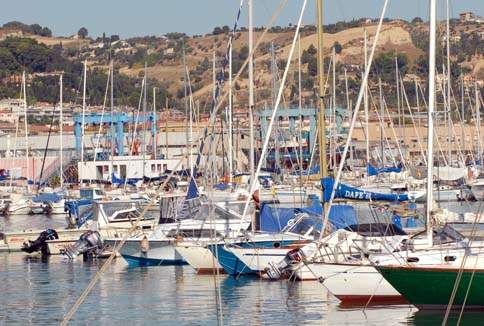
(144, 245)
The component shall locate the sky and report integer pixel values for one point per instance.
(129, 18)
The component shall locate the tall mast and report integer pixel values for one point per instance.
(449, 117)
(301, 125)
(190, 127)
(230, 115)
(61, 122)
(397, 78)
(26, 130)
(367, 127)
(348, 106)
(144, 120)
(251, 91)
(321, 122)
(462, 114)
(478, 122)
(430, 131)
(382, 117)
(112, 119)
(83, 116)
(333, 112)
(155, 136)
(166, 126)
(418, 104)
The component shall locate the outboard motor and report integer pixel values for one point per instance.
(89, 245)
(40, 243)
(283, 269)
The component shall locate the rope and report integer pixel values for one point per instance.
(461, 271)
(106, 264)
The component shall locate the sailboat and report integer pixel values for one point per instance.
(456, 277)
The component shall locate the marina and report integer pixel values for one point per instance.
(314, 173)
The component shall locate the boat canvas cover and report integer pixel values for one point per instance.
(375, 171)
(349, 192)
(449, 173)
(47, 197)
(274, 219)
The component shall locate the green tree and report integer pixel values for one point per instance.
(82, 32)
(313, 66)
(417, 20)
(337, 47)
(244, 52)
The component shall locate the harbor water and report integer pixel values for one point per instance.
(36, 291)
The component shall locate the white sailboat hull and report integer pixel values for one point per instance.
(199, 258)
(356, 284)
(258, 259)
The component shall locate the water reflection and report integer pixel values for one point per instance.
(423, 317)
(41, 291)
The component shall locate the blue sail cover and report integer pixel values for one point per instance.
(273, 219)
(348, 192)
(375, 171)
(192, 192)
(119, 181)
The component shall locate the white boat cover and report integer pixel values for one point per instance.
(448, 173)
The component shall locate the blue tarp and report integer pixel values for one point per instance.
(348, 192)
(375, 171)
(50, 197)
(221, 186)
(116, 180)
(274, 219)
(72, 207)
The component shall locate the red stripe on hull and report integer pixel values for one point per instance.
(210, 271)
(359, 300)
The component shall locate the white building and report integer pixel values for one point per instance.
(127, 167)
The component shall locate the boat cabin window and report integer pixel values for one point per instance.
(98, 192)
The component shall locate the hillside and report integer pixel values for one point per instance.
(164, 57)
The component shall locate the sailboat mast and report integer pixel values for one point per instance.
(382, 117)
(449, 117)
(144, 120)
(155, 136)
(301, 125)
(26, 129)
(462, 114)
(367, 134)
(430, 130)
(321, 122)
(251, 90)
(478, 122)
(112, 120)
(231, 168)
(61, 119)
(83, 115)
(333, 107)
(166, 126)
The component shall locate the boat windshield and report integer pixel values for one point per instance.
(376, 229)
(304, 224)
(442, 235)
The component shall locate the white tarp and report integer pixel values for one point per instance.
(448, 173)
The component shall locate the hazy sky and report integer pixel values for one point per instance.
(154, 17)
